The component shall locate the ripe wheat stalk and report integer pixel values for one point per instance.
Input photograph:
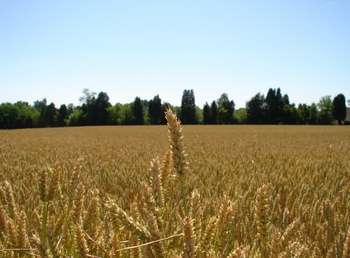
(227, 203)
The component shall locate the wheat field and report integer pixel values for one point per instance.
(158, 191)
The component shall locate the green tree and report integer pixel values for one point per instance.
(40, 106)
(100, 110)
(290, 114)
(304, 113)
(325, 107)
(271, 106)
(188, 108)
(88, 107)
(214, 113)
(277, 107)
(18, 115)
(115, 114)
(206, 114)
(8, 116)
(155, 112)
(50, 115)
(339, 108)
(226, 109)
(282, 105)
(62, 115)
(255, 109)
(199, 115)
(127, 116)
(27, 115)
(77, 117)
(137, 112)
(70, 109)
(314, 114)
(241, 115)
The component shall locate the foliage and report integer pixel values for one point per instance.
(241, 115)
(155, 110)
(226, 109)
(339, 108)
(325, 110)
(188, 108)
(207, 117)
(62, 115)
(137, 112)
(115, 114)
(96, 109)
(214, 113)
(256, 109)
(18, 115)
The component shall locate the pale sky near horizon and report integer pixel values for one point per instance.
(54, 49)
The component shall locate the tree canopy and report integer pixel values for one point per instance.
(188, 108)
(339, 108)
(96, 109)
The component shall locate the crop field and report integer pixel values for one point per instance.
(158, 191)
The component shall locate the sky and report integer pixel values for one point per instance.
(55, 49)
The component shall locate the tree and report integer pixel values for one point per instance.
(18, 115)
(88, 96)
(77, 117)
(281, 102)
(214, 113)
(88, 107)
(277, 108)
(62, 115)
(290, 114)
(325, 107)
(70, 109)
(8, 116)
(287, 112)
(271, 106)
(226, 109)
(101, 106)
(115, 114)
(241, 115)
(339, 108)
(255, 109)
(155, 110)
(206, 114)
(304, 113)
(41, 105)
(50, 115)
(199, 114)
(27, 116)
(188, 108)
(313, 116)
(127, 116)
(137, 112)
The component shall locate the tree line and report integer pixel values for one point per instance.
(96, 109)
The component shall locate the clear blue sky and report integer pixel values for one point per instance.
(54, 49)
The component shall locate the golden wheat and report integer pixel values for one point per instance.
(223, 191)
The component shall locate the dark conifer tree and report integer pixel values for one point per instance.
(188, 108)
(137, 112)
(62, 115)
(155, 112)
(206, 114)
(214, 113)
(339, 108)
